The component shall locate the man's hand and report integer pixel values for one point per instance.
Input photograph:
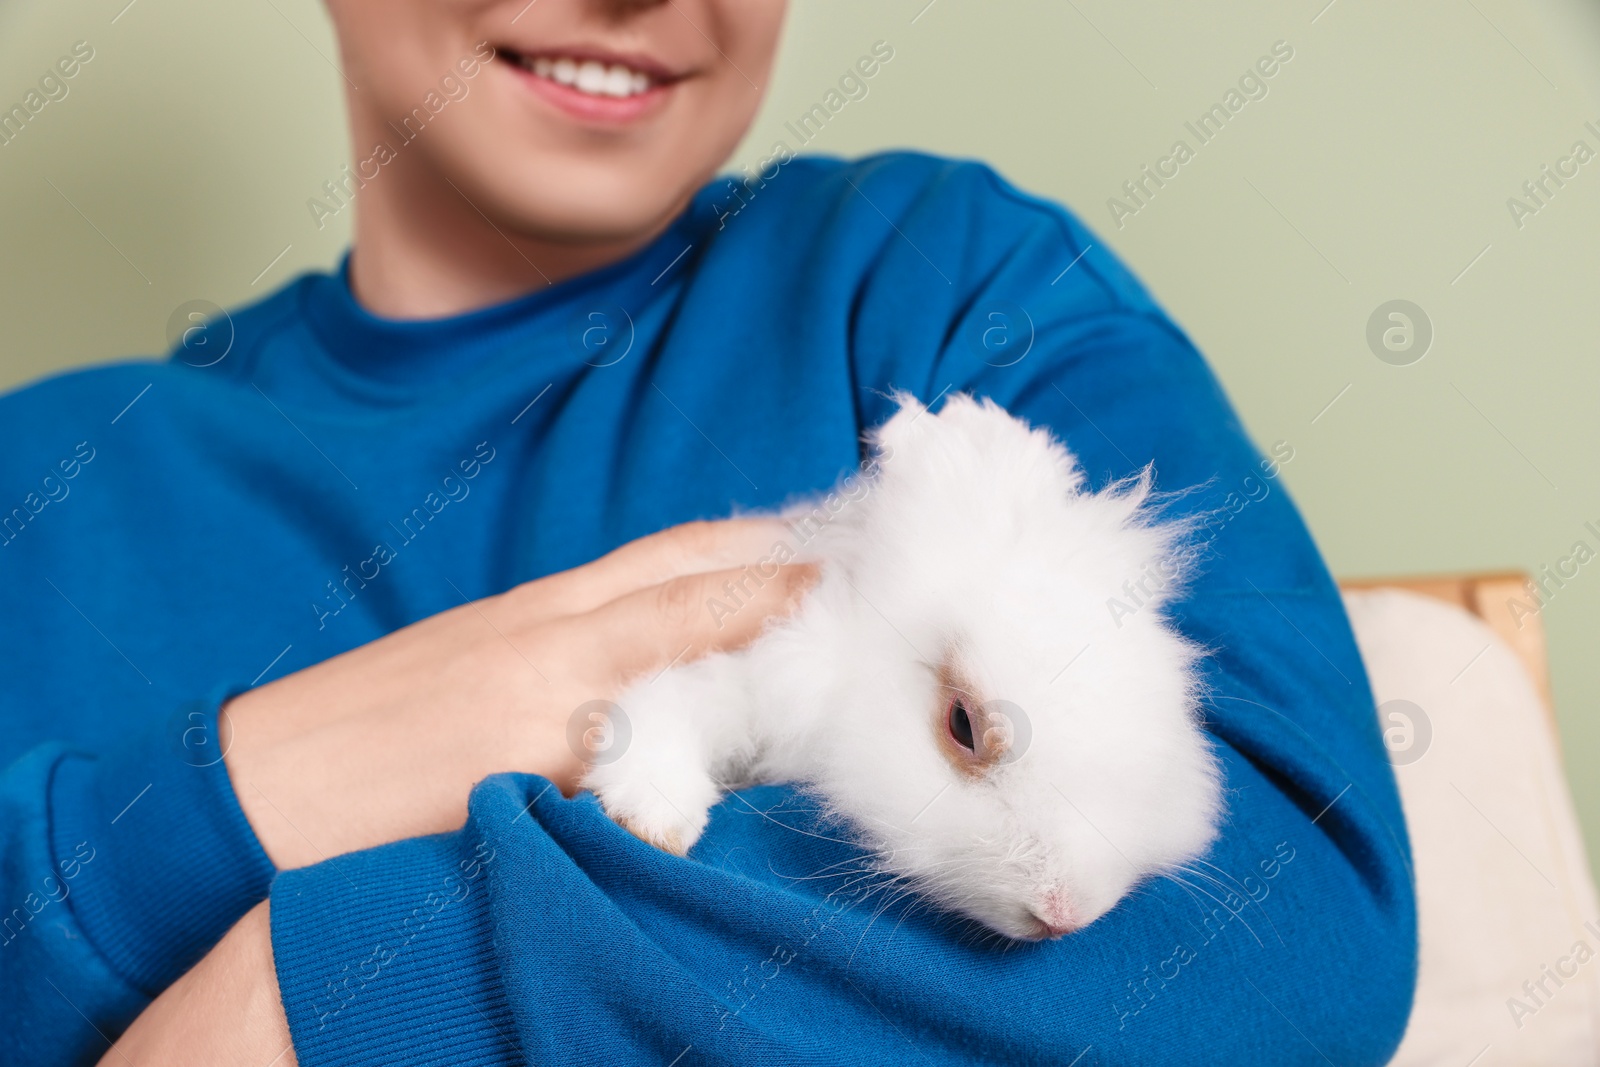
(386, 741)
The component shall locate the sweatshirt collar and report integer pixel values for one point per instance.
(547, 324)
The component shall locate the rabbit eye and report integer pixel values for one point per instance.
(961, 724)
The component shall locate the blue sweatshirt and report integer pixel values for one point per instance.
(304, 478)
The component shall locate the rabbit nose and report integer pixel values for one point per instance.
(1054, 913)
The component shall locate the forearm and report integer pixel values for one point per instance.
(224, 1011)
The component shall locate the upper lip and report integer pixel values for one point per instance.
(658, 71)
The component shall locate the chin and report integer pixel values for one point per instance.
(557, 194)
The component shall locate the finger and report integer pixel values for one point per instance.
(689, 548)
(690, 616)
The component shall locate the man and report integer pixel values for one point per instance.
(279, 614)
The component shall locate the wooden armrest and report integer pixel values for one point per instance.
(1499, 598)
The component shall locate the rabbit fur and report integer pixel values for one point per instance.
(982, 687)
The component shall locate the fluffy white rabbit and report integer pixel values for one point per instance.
(981, 684)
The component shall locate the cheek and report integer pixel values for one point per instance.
(750, 30)
(395, 52)
(746, 33)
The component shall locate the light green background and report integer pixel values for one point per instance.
(1377, 167)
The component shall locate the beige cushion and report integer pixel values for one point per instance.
(1504, 894)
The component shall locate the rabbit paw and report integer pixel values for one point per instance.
(667, 807)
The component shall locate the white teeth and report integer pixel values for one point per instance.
(619, 82)
(591, 77)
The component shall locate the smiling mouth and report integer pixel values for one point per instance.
(591, 76)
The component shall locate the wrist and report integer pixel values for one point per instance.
(323, 790)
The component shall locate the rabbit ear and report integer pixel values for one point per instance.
(898, 432)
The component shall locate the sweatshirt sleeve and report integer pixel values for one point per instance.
(542, 933)
(1040, 316)
(119, 870)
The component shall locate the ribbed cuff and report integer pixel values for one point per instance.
(387, 956)
(165, 860)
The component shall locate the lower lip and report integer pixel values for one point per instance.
(602, 110)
